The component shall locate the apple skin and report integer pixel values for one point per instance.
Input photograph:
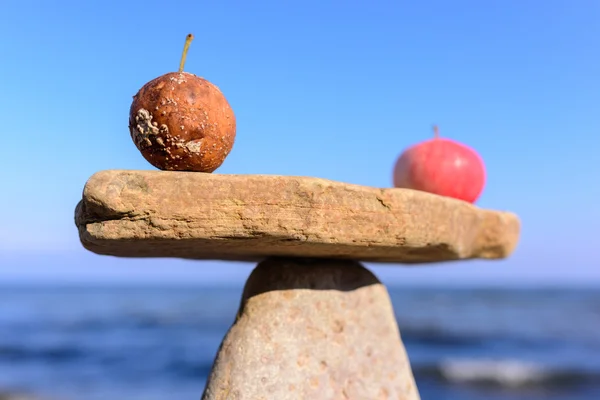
(441, 166)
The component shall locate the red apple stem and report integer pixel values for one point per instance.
(436, 132)
(186, 46)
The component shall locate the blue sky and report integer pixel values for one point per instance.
(333, 89)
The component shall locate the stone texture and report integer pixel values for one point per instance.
(310, 329)
(250, 217)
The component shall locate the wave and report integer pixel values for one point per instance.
(507, 374)
(175, 364)
(49, 354)
(139, 322)
(433, 336)
(189, 369)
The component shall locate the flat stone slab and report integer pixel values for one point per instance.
(312, 329)
(250, 217)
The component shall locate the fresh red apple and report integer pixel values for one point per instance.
(441, 166)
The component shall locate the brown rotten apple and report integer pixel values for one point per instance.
(181, 122)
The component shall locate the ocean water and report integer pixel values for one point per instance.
(78, 343)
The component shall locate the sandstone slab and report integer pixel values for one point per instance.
(250, 217)
(310, 329)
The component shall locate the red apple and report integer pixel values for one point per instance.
(441, 166)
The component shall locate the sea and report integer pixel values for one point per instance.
(158, 343)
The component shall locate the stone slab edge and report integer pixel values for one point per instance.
(249, 217)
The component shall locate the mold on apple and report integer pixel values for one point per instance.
(145, 130)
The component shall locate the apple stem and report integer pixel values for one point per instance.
(436, 132)
(186, 46)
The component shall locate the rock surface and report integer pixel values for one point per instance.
(310, 329)
(250, 217)
(10, 395)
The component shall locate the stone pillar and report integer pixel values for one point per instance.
(312, 329)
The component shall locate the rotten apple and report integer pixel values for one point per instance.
(182, 122)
